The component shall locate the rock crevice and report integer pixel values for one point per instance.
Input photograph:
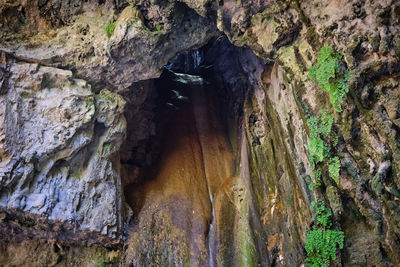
(81, 122)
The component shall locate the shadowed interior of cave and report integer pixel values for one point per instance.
(188, 115)
(173, 190)
(133, 133)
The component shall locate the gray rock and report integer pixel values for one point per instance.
(59, 139)
(135, 52)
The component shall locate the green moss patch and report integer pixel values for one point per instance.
(109, 29)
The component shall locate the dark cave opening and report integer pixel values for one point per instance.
(145, 98)
(182, 146)
(219, 68)
(184, 79)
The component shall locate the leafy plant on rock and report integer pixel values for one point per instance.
(320, 128)
(322, 214)
(322, 242)
(321, 246)
(109, 29)
(329, 74)
(334, 169)
(321, 141)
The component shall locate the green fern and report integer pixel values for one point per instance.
(322, 214)
(316, 149)
(316, 175)
(321, 246)
(322, 243)
(321, 141)
(334, 169)
(328, 75)
(320, 127)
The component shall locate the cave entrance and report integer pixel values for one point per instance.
(172, 177)
(199, 90)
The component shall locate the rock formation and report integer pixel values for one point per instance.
(180, 135)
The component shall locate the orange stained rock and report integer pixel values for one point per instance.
(195, 160)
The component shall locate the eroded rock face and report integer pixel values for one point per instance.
(143, 41)
(73, 139)
(59, 142)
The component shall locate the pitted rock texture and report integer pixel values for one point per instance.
(143, 41)
(268, 101)
(59, 141)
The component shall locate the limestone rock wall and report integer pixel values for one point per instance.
(59, 137)
(365, 202)
(145, 37)
(59, 148)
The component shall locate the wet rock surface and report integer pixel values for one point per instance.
(70, 145)
(174, 198)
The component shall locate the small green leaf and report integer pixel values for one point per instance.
(109, 30)
(334, 169)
